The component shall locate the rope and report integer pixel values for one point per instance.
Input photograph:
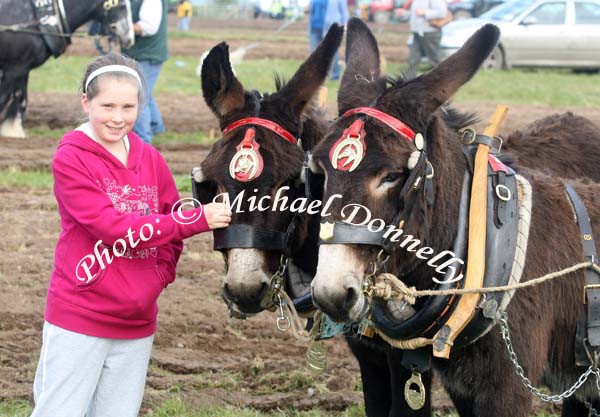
(295, 321)
(388, 286)
(410, 344)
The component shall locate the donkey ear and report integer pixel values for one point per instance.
(221, 89)
(312, 73)
(361, 82)
(445, 79)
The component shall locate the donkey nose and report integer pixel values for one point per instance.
(352, 293)
(337, 301)
(248, 296)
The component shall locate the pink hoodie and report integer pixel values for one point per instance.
(99, 199)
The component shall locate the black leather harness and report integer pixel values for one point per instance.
(53, 25)
(249, 236)
(587, 340)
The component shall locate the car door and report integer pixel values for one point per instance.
(538, 37)
(583, 35)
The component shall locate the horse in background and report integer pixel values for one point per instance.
(479, 377)
(33, 30)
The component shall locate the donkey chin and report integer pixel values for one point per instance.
(337, 287)
(246, 284)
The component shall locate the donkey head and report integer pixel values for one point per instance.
(386, 171)
(258, 164)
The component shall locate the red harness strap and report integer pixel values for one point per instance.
(395, 124)
(257, 121)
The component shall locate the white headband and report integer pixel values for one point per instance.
(112, 68)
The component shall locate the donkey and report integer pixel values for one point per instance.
(479, 377)
(255, 241)
(27, 40)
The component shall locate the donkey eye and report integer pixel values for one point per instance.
(391, 177)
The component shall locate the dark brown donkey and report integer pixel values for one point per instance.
(256, 240)
(543, 319)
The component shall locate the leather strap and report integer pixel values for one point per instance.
(268, 124)
(397, 125)
(465, 310)
(592, 280)
(247, 236)
(346, 233)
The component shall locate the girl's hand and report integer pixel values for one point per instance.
(217, 215)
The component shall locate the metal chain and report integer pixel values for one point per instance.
(535, 391)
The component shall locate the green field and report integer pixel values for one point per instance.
(560, 88)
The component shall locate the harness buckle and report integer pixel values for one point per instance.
(468, 136)
(589, 287)
(503, 192)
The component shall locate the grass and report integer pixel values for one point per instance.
(15, 178)
(15, 408)
(42, 180)
(556, 88)
(175, 406)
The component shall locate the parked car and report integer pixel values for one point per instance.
(466, 9)
(536, 33)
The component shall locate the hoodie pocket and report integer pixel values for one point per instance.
(124, 293)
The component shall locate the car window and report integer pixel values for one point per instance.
(587, 13)
(507, 12)
(550, 14)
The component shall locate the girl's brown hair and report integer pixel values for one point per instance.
(113, 59)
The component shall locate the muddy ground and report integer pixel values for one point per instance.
(198, 353)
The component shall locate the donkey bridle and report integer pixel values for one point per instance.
(252, 237)
(249, 236)
(420, 177)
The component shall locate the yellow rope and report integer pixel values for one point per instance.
(294, 318)
(388, 286)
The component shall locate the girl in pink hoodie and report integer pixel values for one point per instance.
(122, 231)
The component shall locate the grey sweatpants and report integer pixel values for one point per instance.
(79, 374)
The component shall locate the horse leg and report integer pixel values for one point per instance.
(399, 376)
(13, 101)
(375, 376)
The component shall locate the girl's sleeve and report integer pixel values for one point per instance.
(82, 199)
(168, 255)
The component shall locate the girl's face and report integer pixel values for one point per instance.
(113, 111)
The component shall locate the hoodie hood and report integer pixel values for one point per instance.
(80, 140)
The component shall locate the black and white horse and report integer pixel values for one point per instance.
(24, 47)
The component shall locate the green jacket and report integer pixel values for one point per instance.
(149, 48)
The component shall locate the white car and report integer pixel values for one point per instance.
(536, 33)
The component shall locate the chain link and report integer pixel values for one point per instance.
(535, 391)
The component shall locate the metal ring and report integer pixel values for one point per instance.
(432, 173)
(500, 189)
(472, 139)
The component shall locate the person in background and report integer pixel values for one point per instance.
(337, 12)
(150, 51)
(323, 14)
(425, 37)
(184, 14)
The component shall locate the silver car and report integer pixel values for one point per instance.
(536, 33)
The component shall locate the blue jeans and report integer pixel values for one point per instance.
(184, 23)
(315, 36)
(149, 121)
